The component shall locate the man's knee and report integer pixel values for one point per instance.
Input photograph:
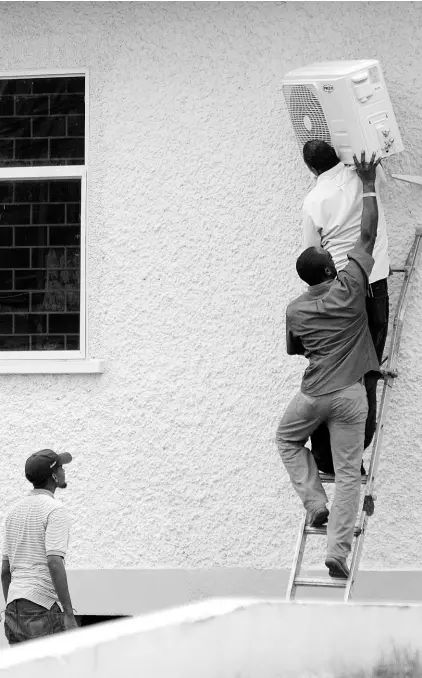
(280, 441)
(286, 448)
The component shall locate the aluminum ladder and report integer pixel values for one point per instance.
(367, 510)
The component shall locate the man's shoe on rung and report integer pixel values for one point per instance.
(337, 567)
(318, 517)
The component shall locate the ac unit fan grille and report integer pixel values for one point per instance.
(306, 114)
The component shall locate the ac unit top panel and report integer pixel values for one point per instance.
(330, 68)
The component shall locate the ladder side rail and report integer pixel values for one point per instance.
(402, 302)
(363, 520)
(297, 560)
(385, 399)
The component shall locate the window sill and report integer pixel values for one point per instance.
(51, 366)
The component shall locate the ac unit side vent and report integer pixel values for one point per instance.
(306, 114)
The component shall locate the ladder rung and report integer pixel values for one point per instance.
(330, 478)
(323, 530)
(326, 583)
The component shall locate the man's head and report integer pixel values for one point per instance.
(319, 156)
(44, 469)
(315, 265)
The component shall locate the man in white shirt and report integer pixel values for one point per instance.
(331, 217)
(36, 536)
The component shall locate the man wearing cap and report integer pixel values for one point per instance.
(35, 543)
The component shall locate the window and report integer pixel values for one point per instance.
(42, 217)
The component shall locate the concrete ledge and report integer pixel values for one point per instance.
(51, 366)
(227, 639)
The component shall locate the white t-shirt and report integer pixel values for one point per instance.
(332, 214)
(37, 526)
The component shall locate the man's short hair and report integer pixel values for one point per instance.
(311, 265)
(320, 155)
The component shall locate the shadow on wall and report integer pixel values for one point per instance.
(90, 619)
(400, 663)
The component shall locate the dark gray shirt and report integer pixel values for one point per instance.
(329, 326)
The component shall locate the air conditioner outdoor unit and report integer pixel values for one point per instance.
(345, 103)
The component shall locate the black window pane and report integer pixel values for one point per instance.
(71, 147)
(48, 257)
(55, 126)
(73, 213)
(67, 104)
(6, 236)
(48, 343)
(49, 85)
(32, 105)
(63, 323)
(15, 257)
(6, 191)
(64, 235)
(50, 300)
(15, 214)
(30, 280)
(66, 191)
(40, 264)
(42, 121)
(6, 279)
(31, 191)
(14, 127)
(31, 235)
(6, 150)
(14, 301)
(76, 126)
(72, 342)
(30, 323)
(75, 85)
(15, 87)
(14, 343)
(6, 323)
(73, 259)
(27, 149)
(72, 301)
(7, 105)
(48, 214)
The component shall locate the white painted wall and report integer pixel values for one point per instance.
(194, 195)
(230, 639)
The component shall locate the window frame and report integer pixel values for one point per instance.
(56, 361)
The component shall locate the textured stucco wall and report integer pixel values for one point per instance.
(195, 186)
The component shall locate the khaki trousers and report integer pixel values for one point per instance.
(345, 413)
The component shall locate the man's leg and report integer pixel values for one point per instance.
(377, 309)
(347, 430)
(321, 448)
(301, 418)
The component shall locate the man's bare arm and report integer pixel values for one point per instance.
(366, 171)
(6, 577)
(59, 579)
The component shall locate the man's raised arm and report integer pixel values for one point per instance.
(366, 172)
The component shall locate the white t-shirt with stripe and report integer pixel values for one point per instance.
(35, 527)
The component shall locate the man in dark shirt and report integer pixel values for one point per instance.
(328, 324)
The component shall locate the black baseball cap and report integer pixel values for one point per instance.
(40, 465)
